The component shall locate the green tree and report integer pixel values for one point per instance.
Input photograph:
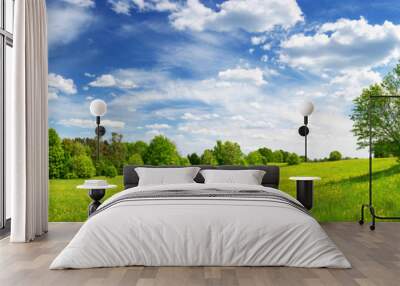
(208, 158)
(335, 156)
(135, 159)
(293, 159)
(255, 158)
(194, 159)
(82, 166)
(138, 147)
(56, 155)
(110, 171)
(184, 161)
(384, 114)
(266, 153)
(105, 168)
(72, 148)
(161, 151)
(285, 156)
(100, 166)
(277, 156)
(382, 150)
(228, 153)
(117, 152)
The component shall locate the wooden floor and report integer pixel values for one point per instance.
(375, 257)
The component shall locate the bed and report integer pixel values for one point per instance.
(198, 224)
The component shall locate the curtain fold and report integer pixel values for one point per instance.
(27, 127)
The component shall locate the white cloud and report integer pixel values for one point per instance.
(350, 84)
(200, 130)
(266, 47)
(158, 126)
(249, 15)
(87, 74)
(66, 23)
(238, 118)
(194, 16)
(125, 6)
(105, 80)
(250, 114)
(270, 72)
(81, 3)
(201, 127)
(258, 40)
(58, 84)
(143, 78)
(244, 75)
(51, 95)
(326, 126)
(126, 83)
(264, 58)
(344, 44)
(62, 84)
(154, 132)
(197, 117)
(87, 123)
(121, 6)
(108, 80)
(165, 5)
(113, 123)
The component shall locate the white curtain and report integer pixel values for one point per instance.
(26, 127)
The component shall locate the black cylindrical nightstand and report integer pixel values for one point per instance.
(305, 190)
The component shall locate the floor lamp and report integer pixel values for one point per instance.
(370, 203)
(98, 108)
(305, 109)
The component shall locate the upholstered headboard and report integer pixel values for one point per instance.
(270, 179)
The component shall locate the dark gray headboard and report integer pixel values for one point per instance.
(271, 177)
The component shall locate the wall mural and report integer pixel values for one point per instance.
(220, 82)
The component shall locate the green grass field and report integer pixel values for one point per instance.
(337, 197)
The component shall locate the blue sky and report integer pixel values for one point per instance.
(200, 71)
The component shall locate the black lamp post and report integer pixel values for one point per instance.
(98, 108)
(306, 109)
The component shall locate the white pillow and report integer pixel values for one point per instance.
(166, 176)
(248, 177)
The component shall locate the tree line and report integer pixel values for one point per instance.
(76, 158)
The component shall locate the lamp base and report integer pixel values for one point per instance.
(96, 195)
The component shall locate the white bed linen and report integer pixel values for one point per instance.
(248, 177)
(200, 231)
(166, 176)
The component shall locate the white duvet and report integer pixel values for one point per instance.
(200, 231)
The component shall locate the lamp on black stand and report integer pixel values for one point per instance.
(306, 109)
(98, 108)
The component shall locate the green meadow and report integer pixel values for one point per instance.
(337, 197)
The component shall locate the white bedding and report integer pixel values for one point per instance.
(200, 231)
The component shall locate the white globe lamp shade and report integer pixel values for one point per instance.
(306, 108)
(98, 107)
